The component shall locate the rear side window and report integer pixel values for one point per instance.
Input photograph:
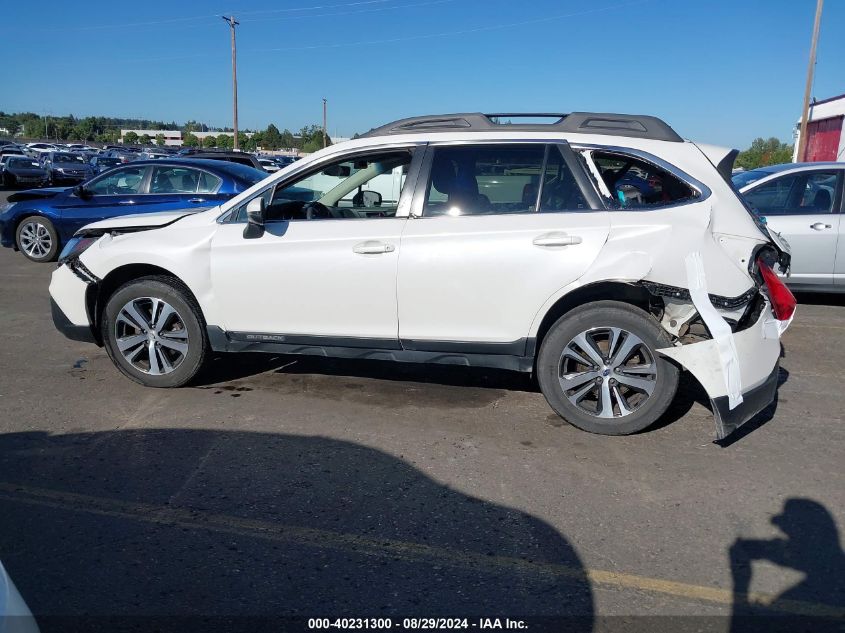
(636, 183)
(497, 179)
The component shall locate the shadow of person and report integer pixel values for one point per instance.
(811, 546)
(168, 529)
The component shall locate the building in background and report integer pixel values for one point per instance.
(171, 137)
(825, 141)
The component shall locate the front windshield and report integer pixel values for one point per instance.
(67, 158)
(743, 178)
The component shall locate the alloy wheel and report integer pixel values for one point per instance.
(35, 239)
(607, 372)
(151, 336)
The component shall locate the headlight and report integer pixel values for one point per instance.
(75, 247)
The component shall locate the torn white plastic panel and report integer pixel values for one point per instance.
(757, 353)
(719, 328)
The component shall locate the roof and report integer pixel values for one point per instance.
(774, 169)
(828, 100)
(602, 123)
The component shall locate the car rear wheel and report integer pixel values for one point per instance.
(37, 239)
(153, 331)
(600, 371)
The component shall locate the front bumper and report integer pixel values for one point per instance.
(69, 305)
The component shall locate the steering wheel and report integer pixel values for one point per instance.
(317, 211)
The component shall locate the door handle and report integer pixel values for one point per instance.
(126, 202)
(372, 247)
(820, 226)
(197, 200)
(556, 239)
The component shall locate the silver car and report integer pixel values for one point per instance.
(804, 203)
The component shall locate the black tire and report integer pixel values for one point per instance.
(46, 234)
(188, 321)
(596, 319)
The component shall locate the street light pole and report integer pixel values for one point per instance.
(232, 24)
(802, 136)
(324, 123)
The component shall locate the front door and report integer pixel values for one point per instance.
(488, 248)
(324, 269)
(119, 192)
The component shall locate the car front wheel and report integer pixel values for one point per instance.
(37, 239)
(153, 331)
(600, 371)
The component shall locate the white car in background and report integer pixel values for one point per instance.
(804, 203)
(268, 165)
(15, 616)
(601, 252)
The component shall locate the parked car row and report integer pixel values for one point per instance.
(97, 159)
(38, 222)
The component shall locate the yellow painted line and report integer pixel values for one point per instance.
(386, 548)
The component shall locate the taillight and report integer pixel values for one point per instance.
(783, 301)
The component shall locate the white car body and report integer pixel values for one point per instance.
(466, 289)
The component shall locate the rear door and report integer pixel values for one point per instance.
(486, 248)
(803, 207)
(178, 187)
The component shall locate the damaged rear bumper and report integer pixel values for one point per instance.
(753, 401)
(755, 362)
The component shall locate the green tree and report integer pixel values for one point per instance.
(272, 139)
(224, 141)
(209, 141)
(130, 138)
(764, 152)
(160, 140)
(189, 140)
(145, 139)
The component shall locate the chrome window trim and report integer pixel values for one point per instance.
(704, 192)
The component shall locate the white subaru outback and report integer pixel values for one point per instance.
(601, 252)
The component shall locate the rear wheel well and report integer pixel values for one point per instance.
(630, 293)
(118, 277)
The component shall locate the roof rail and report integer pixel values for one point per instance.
(630, 125)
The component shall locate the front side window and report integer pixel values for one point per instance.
(636, 183)
(795, 194)
(120, 182)
(368, 186)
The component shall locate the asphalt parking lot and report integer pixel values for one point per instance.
(323, 488)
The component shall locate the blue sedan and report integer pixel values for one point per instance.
(38, 222)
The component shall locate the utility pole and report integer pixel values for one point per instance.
(324, 123)
(805, 113)
(232, 24)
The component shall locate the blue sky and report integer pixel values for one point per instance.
(723, 71)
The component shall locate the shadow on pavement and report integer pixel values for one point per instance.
(208, 525)
(811, 546)
(227, 367)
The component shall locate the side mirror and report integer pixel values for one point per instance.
(367, 199)
(81, 192)
(254, 218)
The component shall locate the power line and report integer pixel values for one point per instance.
(331, 15)
(480, 29)
(173, 21)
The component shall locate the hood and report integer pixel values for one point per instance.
(136, 222)
(35, 194)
